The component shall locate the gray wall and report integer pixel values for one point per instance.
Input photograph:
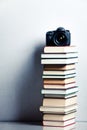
(23, 24)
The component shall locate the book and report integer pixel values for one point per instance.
(55, 67)
(68, 127)
(59, 86)
(56, 102)
(57, 117)
(60, 91)
(59, 123)
(61, 95)
(59, 110)
(59, 81)
(59, 49)
(59, 55)
(61, 72)
(58, 76)
(59, 61)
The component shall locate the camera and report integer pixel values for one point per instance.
(59, 37)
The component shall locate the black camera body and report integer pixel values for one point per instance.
(59, 37)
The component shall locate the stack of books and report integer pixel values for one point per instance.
(59, 87)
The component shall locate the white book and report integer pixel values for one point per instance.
(59, 61)
(68, 127)
(59, 49)
(63, 72)
(59, 91)
(59, 123)
(59, 76)
(61, 110)
(58, 117)
(59, 55)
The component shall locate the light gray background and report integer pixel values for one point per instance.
(23, 24)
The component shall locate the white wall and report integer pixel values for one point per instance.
(23, 24)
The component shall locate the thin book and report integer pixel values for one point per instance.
(59, 61)
(59, 110)
(58, 67)
(59, 86)
(60, 91)
(60, 72)
(59, 123)
(59, 55)
(68, 127)
(58, 81)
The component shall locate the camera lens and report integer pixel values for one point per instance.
(60, 39)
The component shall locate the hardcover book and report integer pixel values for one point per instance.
(56, 102)
(60, 91)
(60, 95)
(59, 55)
(68, 127)
(61, 72)
(59, 81)
(56, 117)
(59, 110)
(59, 76)
(59, 61)
(57, 67)
(59, 49)
(59, 86)
(59, 123)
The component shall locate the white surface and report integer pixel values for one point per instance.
(23, 24)
(34, 126)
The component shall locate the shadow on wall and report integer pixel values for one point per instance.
(31, 83)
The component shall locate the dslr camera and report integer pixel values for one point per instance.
(59, 37)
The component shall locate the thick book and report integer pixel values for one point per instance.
(59, 61)
(68, 127)
(60, 55)
(59, 123)
(56, 102)
(60, 49)
(57, 117)
(59, 76)
(61, 72)
(59, 86)
(60, 91)
(57, 67)
(59, 110)
(58, 81)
